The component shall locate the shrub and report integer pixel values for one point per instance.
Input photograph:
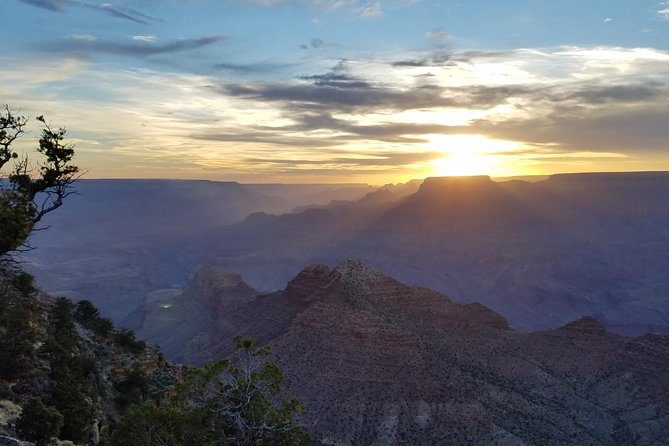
(87, 315)
(39, 423)
(126, 338)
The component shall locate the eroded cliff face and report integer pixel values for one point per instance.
(217, 290)
(380, 362)
(170, 318)
(75, 361)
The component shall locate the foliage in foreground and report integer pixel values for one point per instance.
(228, 402)
(61, 381)
(39, 423)
(27, 193)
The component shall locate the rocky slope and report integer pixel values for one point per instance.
(71, 359)
(171, 318)
(378, 362)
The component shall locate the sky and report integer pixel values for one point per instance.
(372, 91)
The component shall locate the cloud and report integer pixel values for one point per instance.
(388, 132)
(343, 97)
(119, 13)
(624, 93)
(664, 13)
(360, 8)
(250, 135)
(344, 93)
(339, 90)
(440, 37)
(371, 10)
(383, 158)
(51, 5)
(147, 38)
(343, 159)
(107, 8)
(574, 100)
(555, 106)
(336, 80)
(252, 68)
(626, 130)
(318, 43)
(436, 59)
(136, 47)
(85, 37)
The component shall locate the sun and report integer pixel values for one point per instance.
(463, 163)
(469, 155)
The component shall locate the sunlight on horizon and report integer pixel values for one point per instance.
(473, 155)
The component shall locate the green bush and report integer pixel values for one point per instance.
(134, 389)
(72, 373)
(87, 315)
(17, 340)
(39, 423)
(150, 425)
(126, 338)
(235, 401)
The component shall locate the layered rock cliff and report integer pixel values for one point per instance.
(380, 362)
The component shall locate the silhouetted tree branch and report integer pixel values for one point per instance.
(27, 194)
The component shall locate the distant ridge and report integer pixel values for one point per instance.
(540, 253)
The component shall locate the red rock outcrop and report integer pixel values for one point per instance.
(379, 362)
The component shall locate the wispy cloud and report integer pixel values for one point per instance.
(440, 37)
(370, 10)
(359, 8)
(145, 38)
(134, 47)
(252, 68)
(51, 5)
(318, 43)
(106, 8)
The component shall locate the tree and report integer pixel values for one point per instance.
(39, 423)
(151, 425)
(233, 401)
(71, 372)
(239, 400)
(28, 194)
(87, 315)
(17, 336)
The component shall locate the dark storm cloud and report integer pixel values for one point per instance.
(136, 48)
(106, 8)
